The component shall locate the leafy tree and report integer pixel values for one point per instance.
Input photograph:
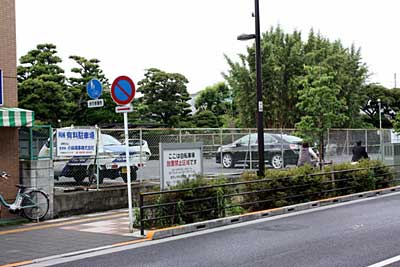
(214, 98)
(206, 119)
(389, 105)
(242, 82)
(282, 62)
(165, 98)
(283, 59)
(349, 72)
(320, 104)
(218, 100)
(41, 85)
(80, 113)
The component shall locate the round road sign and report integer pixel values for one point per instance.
(94, 88)
(123, 90)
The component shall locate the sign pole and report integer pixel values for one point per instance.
(128, 169)
(123, 92)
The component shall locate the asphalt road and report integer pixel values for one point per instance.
(355, 234)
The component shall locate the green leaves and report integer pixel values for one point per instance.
(165, 95)
(212, 104)
(283, 59)
(41, 85)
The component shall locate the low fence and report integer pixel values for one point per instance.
(225, 151)
(174, 207)
(32, 139)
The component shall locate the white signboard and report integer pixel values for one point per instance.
(394, 137)
(76, 142)
(96, 103)
(180, 162)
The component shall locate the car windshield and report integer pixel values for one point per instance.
(136, 142)
(291, 139)
(245, 139)
(109, 140)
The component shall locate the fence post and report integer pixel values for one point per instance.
(141, 214)
(51, 142)
(222, 166)
(97, 160)
(251, 158)
(141, 155)
(366, 140)
(30, 144)
(283, 158)
(180, 135)
(347, 142)
(327, 148)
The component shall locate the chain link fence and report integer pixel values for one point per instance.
(31, 141)
(225, 152)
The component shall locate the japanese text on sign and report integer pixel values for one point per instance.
(179, 162)
(76, 142)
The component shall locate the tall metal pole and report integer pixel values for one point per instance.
(260, 119)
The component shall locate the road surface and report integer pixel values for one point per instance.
(354, 234)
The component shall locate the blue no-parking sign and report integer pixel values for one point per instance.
(123, 90)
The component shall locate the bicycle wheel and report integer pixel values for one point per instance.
(35, 205)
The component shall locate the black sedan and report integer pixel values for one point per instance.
(279, 151)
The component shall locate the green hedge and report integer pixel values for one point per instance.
(278, 188)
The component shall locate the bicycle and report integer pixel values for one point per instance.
(30, 202)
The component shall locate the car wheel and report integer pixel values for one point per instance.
(133, 175)
(227, 161)
(147, 156)
(92, 174)
(277, 161)
(79, 177)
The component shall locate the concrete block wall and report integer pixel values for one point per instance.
(39, 174)
(83, 202)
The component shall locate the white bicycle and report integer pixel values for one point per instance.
(30, 202)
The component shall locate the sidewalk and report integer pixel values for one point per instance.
(20, 244)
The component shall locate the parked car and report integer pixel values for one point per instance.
(111, 161)
(279, 151)
(140, 145)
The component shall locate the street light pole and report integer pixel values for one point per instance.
(260, 117)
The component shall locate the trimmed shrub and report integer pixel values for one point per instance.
(204, 199)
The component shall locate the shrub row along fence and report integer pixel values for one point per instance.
(201, 199)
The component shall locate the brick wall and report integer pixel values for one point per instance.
(8, 136)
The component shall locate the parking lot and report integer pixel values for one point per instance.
(151, 171)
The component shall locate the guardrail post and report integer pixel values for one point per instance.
(141, 214)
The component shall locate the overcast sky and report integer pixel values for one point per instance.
(191, 36)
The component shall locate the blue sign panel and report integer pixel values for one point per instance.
(94, 88)
(1, 88)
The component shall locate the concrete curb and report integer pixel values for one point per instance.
(198, 226)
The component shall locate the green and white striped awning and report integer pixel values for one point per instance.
(16, 117)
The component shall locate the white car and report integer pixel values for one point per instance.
(140, 145)
(111, 161)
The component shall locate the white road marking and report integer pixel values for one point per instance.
(386, 262)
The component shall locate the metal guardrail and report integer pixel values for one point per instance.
(217, 204)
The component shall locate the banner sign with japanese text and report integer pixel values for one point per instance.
(179, 162)
(76, 142)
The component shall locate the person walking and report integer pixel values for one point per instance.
(359, 152)
(306, 155)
